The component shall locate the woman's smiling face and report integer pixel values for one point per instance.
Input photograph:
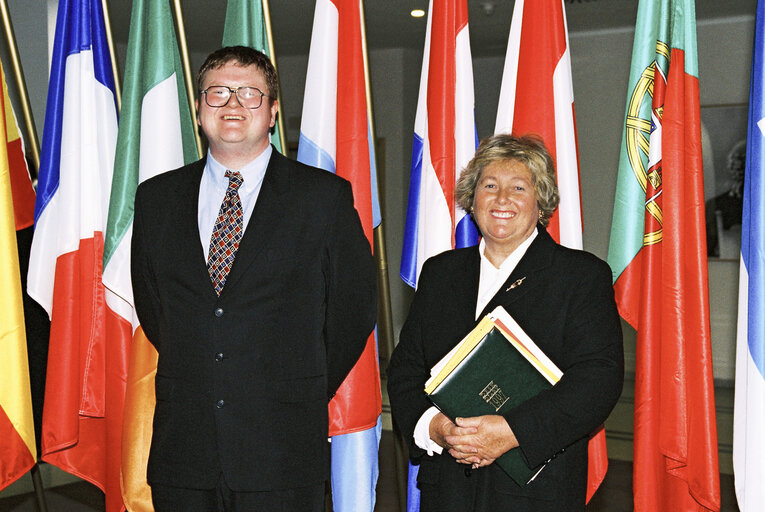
(505, 207)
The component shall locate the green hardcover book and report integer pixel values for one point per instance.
(495, 368)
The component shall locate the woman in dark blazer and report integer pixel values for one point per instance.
(562, 298)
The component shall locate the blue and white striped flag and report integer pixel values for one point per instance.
(749, 411)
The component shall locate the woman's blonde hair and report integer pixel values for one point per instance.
(530, 151)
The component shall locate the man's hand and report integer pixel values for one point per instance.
(478, 441)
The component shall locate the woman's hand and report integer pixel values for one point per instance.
(480, 440)
(441, 426)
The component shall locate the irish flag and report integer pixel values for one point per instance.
(84, 387)
(658, 253)
(156, 134)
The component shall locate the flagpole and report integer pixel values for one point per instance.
(272, 49)
(112, 54)
(37, 483)
(186, 68)
(22, 89)
(385, 322)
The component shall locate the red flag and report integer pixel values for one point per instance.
(21, 184)
(658, 253)
(537, 97)
(346, 413)
(334, 136)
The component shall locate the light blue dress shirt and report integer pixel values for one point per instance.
(212, 190)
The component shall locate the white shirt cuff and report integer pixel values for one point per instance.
(422, 433)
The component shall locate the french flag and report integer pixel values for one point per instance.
(444, 141)
(65, 267)
(335, 136)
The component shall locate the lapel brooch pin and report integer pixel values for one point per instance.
(515, 284)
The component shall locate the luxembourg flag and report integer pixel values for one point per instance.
(749, 407)
(65, 266)
(444, 141)
(335, 136)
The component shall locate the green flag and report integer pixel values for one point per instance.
(246, 26)
(156, 131)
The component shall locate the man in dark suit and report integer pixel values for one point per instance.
(253, 279)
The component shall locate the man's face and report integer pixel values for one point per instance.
(233, 129)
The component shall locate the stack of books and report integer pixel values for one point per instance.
(494, 368)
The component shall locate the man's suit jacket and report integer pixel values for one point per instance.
(563, 299)
(243, 380)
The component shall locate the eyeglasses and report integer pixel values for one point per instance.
(218, 96)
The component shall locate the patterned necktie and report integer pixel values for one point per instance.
(227, 233)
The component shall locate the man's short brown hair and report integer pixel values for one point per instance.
(242, 56)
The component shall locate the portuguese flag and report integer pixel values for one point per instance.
(658, 256)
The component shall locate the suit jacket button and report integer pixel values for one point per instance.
(219, 357)
(219, 312)
(468, 472)
(219, 404)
